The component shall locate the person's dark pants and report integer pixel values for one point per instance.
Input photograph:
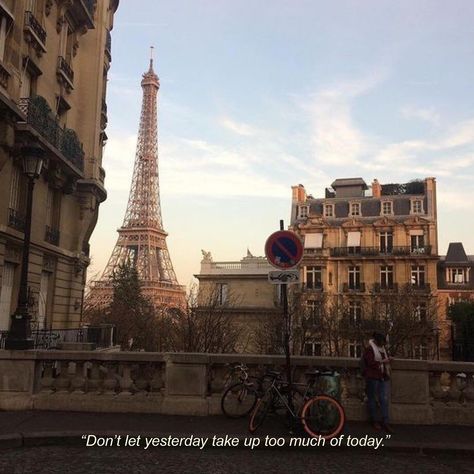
(377, 390)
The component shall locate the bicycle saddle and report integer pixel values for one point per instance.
(273, 373)
(319, 373)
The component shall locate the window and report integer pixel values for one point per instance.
(418, 275)
(354, 209)
(355, 349)
(354, 278)
(419, 313)
(303, 212)
(355, 313)
(417, 241)
(17, 203)
(386, 276)
(53, 215)
(43, 299)
(386, 242)
(329, 210)
(458, 275)
(6, 293)
(353, 242)
(421, 351)
(222, 293)
(313, 241)
(312, 348)
(3, 35)
(417, 206)
(313, 313)
(314, 277)
(386, 208)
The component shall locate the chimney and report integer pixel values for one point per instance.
(376, 188)
(298, 193)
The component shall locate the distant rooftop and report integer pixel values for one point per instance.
(341, 182)
(456, 253)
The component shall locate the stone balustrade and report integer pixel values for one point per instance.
(428, 392)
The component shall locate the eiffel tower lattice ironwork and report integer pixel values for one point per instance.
(142, 241)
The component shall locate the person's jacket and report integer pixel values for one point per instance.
(372, 368)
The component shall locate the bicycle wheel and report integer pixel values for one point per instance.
(323, 416)
(259, 413)
(238, 400)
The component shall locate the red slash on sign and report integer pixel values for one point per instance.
(283, 249)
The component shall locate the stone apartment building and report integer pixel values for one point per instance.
(242, 287)
(455, 284)
(54, 60)
(370, 252)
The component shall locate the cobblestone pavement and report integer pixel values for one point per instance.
(80, 460)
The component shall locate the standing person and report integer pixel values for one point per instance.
(377, 374)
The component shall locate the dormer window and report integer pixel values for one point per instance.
(386, 208)
(303, 212)
(328, 210)
(458, 275)
(354, 209)
(416, 206)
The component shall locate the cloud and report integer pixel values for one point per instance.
(426, 114)
(237, 127)
(335, 137)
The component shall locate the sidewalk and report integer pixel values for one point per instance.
(34, 428)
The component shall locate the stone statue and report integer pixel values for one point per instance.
(206, 256)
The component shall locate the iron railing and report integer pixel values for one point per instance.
(377, 251)
(108, 43)
(66, 69)
(16, 219)
(40, 117)
(33, 24)
(89, 5)
(358, 287)
(52, 235)
(317, 286)
(385, 287)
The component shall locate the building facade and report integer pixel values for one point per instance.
(242, 287)
(455, 284)
(54, 60)
(371, 257)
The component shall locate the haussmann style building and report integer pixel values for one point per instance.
(54, 59)
(370, 255)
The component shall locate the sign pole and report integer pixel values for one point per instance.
(287, 323)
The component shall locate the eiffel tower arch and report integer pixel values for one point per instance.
(141, 239)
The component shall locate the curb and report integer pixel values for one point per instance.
(74, 438)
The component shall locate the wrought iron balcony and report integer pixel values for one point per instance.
(385, 287)
(16, 219)
(356, 288)
(82, 11)
(65, 140)
(421, 287)
(66, 71)
(377, 251)
(317, 286)
(108, 44)
(51, 235)
(35, 30)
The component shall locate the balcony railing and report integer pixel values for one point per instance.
(377, 251)
(33, 25)
(16, 219)
(108, 44)
(40, 117)
(357, 288)
(317, 286)
(4, 76)
(385, 287)
(65, 68)
(51, 235)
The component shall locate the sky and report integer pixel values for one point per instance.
(257, 96)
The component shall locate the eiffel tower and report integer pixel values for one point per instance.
(142, 241)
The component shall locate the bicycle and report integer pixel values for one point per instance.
(321, 415)
(240, 398)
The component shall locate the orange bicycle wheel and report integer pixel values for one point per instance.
(259, 413)
(323, 416)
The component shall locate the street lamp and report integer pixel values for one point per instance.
(19, 335)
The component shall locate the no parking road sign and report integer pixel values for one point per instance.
(284, 249)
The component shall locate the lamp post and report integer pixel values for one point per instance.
(19, 335)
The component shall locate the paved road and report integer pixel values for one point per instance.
(80, 460)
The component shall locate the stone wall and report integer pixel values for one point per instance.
(191, 384)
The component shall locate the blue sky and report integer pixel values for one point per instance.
(257, 96)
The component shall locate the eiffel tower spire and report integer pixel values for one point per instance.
(142, 239)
